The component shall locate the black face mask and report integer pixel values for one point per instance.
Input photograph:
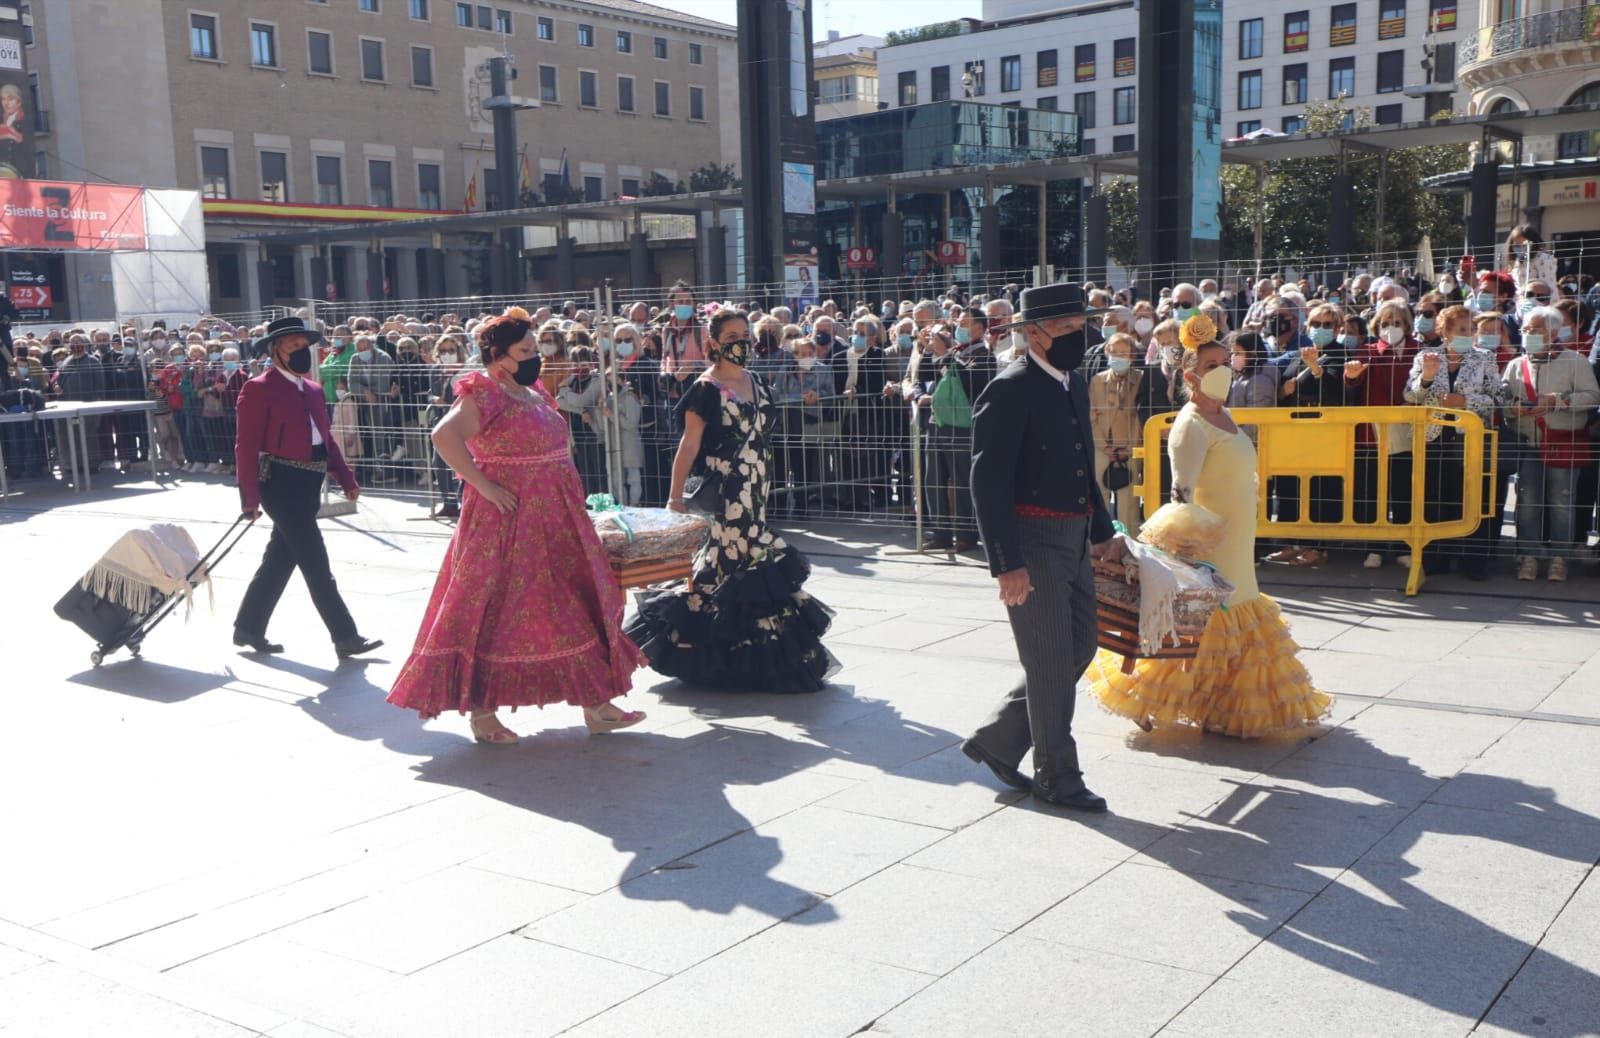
(1066, 351)
(735, 352)
(823, 339)
(299, 361)
(527, 372)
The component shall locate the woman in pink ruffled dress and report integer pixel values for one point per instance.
(526, 610)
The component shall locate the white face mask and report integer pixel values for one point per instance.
(1393, 336)
(1143, 326)
(547, 349)
(1216, 383)
(806, 363)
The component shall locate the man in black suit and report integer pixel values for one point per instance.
(1042, 517)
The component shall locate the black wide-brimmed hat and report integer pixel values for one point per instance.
(1048, 302)
(285, 326)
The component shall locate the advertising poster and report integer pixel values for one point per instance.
(1205, 215)
(47, 214)
(16, 121)
(800, 281)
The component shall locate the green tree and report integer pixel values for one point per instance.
(659, 185)
(712, 177)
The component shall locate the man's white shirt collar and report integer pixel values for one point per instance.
(1050, 369)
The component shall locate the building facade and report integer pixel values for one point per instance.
(1277, 58)
(844, 70)
(1534, 55)
(344, 110)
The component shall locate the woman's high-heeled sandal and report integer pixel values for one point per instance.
(597, 724)
(500, 735)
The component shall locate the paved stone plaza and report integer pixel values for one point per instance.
(206, 843)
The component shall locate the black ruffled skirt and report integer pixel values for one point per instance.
(755, 631)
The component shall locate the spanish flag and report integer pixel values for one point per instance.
(471, 202)
(527, 174)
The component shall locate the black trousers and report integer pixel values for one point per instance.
(291, 497)
(1055, 634)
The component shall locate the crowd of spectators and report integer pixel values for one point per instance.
(850, 382)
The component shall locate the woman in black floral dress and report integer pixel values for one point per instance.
(743, 622)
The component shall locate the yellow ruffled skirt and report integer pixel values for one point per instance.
(1246, 680)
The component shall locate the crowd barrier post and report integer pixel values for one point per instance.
(1302, 444)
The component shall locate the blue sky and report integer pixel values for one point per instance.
(849, 16)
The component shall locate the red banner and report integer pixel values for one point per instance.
(32, 297)
(45, 214)
(950, 253)
(860, 257)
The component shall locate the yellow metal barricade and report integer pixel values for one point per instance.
(1303, 444)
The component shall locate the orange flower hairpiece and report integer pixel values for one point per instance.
(1197, 331)
(518, 312)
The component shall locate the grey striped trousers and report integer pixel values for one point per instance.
(1055, 634)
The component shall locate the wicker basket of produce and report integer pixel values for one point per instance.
(1189, 594)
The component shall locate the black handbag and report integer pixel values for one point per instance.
(702, 493)
(1117, 475)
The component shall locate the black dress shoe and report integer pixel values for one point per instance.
(1080, 799)
(257, 642)
(1002, 771)
(356, 646)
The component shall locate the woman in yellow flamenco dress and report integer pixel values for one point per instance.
(1246, 679)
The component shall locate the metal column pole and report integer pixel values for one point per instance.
(1044, 225)
(1260, 215)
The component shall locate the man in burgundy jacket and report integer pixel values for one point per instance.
(284, 451)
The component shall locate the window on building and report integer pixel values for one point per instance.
(696, 54)
(1123, 141)
(430, 186)
(939, 83)
(330, 180)
(552, 184)
(659, 44)
(372, 60)
(422, 66)
(263, 45)
(1295, 85)
(547, 29)
(502, 21)
(1294, 123)
(588, 90)
(1083, 105)
(1391, 71)
(1122, 107)
(1341, 78)
(1086, 146)
(491, 190)
(203, 37)
(548, 93)
(585, 35)
(227, 280)
(380, 183)
(1011, 73)
(464, 16)
(1249, 90)
(27, 40)
(1342, 25)
(1250, 38)
(1296, 32)
(975, 69)
(908, 89)
(485, 16)
(1046, 75)
(1046, 104)
(1444, 62)
(663, 98)
(319, 52)
(594, 189)
(1391, 19)
(1083, 62)
(419, 10)
(625, 94)
(1248, 126)
(1441, 15)
(214, 180)
(1433, 104)
(630, 187)
(1387, 115)
(369, 6)
(697, 103)
(624, 42)
(1124, 57)
(274, 176)
(41, 121)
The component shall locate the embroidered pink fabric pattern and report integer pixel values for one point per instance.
(526, 610)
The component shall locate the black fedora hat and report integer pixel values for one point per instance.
(1048, 302)
(286, 326)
